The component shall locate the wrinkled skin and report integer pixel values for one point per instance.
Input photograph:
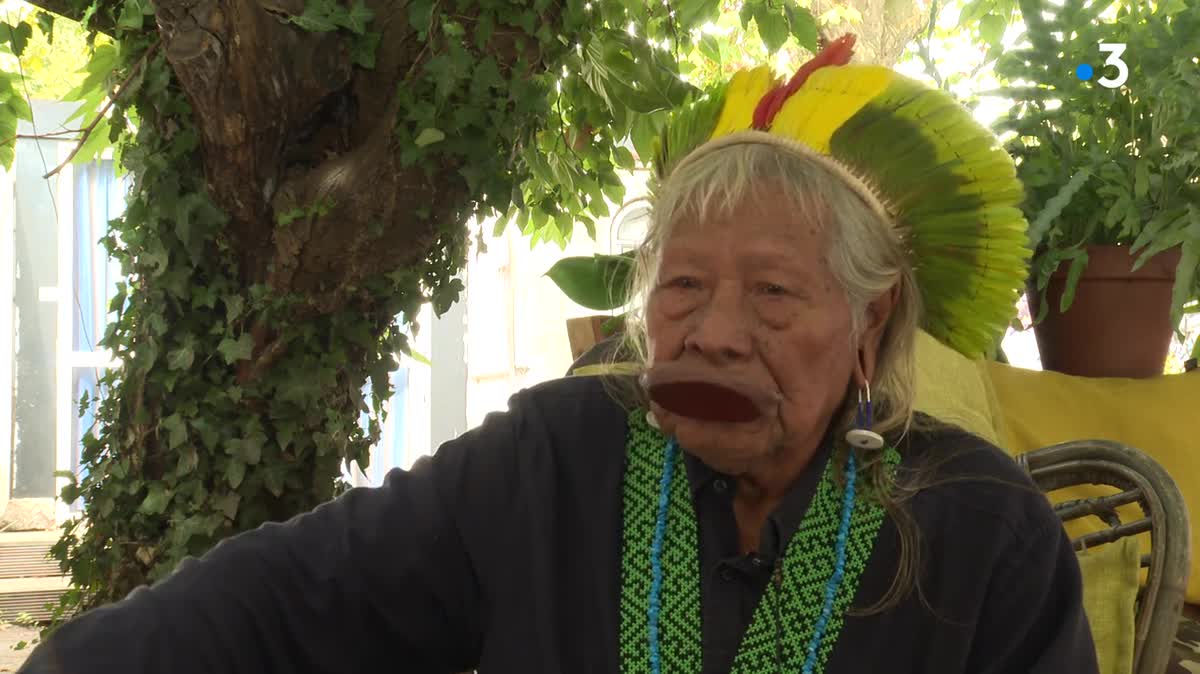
(749, 298)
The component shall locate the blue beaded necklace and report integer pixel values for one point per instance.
(660, 532)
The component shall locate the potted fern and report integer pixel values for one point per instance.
(1106, 133)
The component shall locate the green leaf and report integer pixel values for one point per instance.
(176, 429)
(975, 10)
(772, 27)
(415, 355)
(1079, 260)
(429, 137)
(18, 36)
(181, 358)
(188, 460)
(1170, 7)
(132, 15)
(693, 13)
(802, 25)
(710, 48)
(624, 158)
(1053, 208)
(45, 22)
(227, 503)
(235, 472)
(234, 304)
(234, 350)
(362, 50)
(249, 449)
(991, 28)
(420, 16)
(599, 283)
(156, 500)
(273, 479)
(357, 17)
(1141, 183)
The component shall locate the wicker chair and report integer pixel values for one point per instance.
(1163, 514)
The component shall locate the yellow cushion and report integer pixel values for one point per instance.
(1157, 416)
(951, 388)
(1110, 586)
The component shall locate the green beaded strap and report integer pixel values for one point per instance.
(783, 623)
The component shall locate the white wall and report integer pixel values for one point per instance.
(516, 317)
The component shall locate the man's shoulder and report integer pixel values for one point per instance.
(573, 397)
(965, 481)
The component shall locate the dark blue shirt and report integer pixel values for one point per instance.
(502, 553)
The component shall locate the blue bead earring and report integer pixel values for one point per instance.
(861, 435)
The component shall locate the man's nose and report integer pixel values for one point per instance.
(721, 327)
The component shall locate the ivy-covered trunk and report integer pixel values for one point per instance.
(301, 175)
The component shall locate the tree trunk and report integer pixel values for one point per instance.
(274, 231)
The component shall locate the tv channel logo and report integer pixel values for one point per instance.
(1115, 50)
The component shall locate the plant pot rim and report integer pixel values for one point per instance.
(1114, 263)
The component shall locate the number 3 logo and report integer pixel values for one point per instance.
(1114, 51)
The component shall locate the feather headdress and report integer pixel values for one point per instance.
(941, 176)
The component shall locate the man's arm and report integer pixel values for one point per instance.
(378, 578)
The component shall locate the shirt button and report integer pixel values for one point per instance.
(720, 486)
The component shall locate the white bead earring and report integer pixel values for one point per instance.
(861, 435)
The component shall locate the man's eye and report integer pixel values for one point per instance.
(772, 289)
(685, 282)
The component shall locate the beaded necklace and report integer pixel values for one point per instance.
(660, 603)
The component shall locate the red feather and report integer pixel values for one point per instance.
(836, 53)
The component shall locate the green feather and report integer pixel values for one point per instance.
(689, 127)
(956, 194)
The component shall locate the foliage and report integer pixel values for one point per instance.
(1108, 166)
(959, 44)
(600, 282)
(55, 55)
(241, 390)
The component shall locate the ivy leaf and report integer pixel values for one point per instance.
(181, 358)
(156, 500)
(249, 448)
(420, 16)
(802, 25)
(234, 304)
(357, 17)
(429, 137)
(362, 51)
(234, 350)
(188, 460)
(273, 479)
(235, 472)
(227, 503)
(176, 429)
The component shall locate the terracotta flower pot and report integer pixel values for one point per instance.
(1120, 322)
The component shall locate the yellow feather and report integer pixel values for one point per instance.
(746, 89)
(831, 96)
